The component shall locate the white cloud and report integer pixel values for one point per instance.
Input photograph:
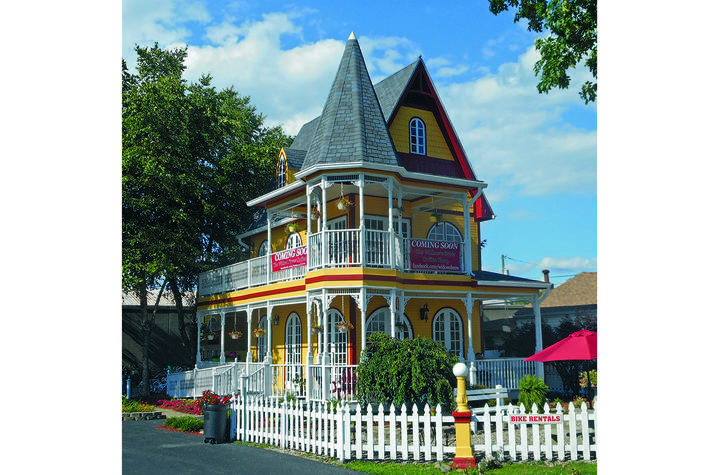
(557, 265)
(515, 137)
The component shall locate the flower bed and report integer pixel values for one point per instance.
(186, 406)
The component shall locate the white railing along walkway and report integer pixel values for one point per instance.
(508, 372)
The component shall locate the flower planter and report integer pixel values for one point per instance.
(235, 336)
(210, 337)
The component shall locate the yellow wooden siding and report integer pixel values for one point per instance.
(435, 144)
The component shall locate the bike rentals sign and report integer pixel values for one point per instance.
(289, 259)
(426, 254)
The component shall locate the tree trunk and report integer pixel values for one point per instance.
(146, 326)
(181, 318)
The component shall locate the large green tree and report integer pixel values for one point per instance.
(191, 158)
(573, 39)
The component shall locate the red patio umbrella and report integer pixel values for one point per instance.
(580, 345)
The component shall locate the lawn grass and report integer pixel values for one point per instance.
(524, 468)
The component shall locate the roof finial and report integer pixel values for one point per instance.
(352, 37)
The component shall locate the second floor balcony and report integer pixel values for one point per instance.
(340, 248)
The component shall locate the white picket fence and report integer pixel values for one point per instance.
(540, 441)
(348, 432)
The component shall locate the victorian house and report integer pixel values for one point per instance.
(374, 226)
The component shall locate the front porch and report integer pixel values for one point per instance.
(280, 381)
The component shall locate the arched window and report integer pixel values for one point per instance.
(448, 330)
(293, 339)
(380, 322)
(294, 240)
(444, 231)
(262, 249)
(337, 339)
(262, 340)
(281, 172)
(417, 136)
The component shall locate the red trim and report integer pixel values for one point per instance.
(461, 417)
(462, 463)
(264, 293)
(385, 278)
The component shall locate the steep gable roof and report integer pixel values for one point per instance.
(390, 89)
(352, 127)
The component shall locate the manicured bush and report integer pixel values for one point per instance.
(185, 423)
(532, 390)
(405, 371)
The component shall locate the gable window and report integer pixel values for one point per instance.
(417, 136)
(281, 172)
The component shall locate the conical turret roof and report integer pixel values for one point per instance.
(352, 127)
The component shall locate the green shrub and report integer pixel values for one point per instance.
(185, 423)
(532, 390)
(405, 371)
(129, 405)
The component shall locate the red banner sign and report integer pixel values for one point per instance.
(536, 419)
(426, 254)
(289, 259)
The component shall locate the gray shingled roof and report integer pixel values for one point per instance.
(304, 137)
(352, 127)
(390, 89)
(295, 158)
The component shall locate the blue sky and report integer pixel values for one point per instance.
(536, 152)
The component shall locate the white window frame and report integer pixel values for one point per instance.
(293, 339)
(338, 350)
(293, 241)
(438, 233)
(441, 330)
(263, 248)
(262, 340)
(381, 317)
(417, 132)
(281, 172)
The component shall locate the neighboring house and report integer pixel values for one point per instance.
(166, 344)
(573, 299)
(374, 227)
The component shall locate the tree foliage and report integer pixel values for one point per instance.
(573, 39)
(405, 371)
(191, 158)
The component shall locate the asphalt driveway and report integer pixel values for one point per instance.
(146, 450)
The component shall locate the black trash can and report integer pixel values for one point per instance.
(215, 423)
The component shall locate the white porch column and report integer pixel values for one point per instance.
(467, 238)
(469, 304)
(401, 304)
(309, 213)
(269, 249)
(362, 229)
(400, 225)
(392, 312)
(325, 325)
(392, 264)
(223, 315)
(325, 251)
(268, 358)
(362, 309)
(249, 336)
(199, 338)
(539, 338)
(310, 357)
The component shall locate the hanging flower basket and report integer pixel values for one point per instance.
(344, 203)
(259, 332)
(235, 335)
(344, 326)
(316, 214)
(210, 336)
(317, 328)
(291, 228)
(436, 217)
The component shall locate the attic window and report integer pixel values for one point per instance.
(417, 136)
(281, 172)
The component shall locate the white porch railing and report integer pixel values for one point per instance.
(508, 372)
(325, 249)
(224, 379)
